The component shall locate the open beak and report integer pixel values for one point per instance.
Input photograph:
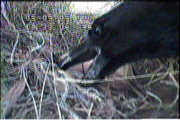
(83, 53)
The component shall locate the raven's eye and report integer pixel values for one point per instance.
(97, 31)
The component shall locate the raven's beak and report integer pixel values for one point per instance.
(81, 54)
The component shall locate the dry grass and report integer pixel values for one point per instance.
(33, 87)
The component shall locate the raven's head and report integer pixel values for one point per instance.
(129, 32)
